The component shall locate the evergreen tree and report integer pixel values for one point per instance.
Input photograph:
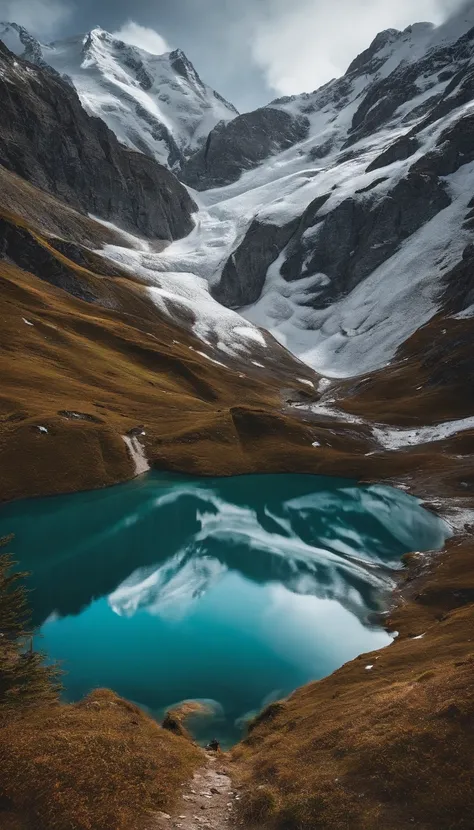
(24, 678)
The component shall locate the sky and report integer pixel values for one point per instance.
(251, 51)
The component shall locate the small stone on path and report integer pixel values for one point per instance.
(209, 794)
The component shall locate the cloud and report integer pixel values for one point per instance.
(143, 37)
(43, 18)
(302, 44)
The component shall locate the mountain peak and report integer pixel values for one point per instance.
(99, 36)
(19, 41)
(183, 66)
(393, 45)
(155, 104)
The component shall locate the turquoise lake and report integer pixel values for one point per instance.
(233, 591)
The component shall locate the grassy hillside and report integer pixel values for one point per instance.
(388, 746)
(99, 764)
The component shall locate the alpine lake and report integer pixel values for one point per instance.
(228, 591)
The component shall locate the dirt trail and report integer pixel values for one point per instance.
(207, 801)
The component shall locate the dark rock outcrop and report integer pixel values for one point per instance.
(351, 241)
(458, 92)
(20, 246)
(365, 61)
(400, 150)
(159, 132)
(455, 147)
(458, 283)
(244, 274)
(382, 100)
(47, 138)
(241, 145)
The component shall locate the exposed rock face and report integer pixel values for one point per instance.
(156, 104)
(244, 274)
(455, 147)
(241, 145)
(458, 293)
(387, 94)
(19, 246)
(352, 240)
(47, 138)
(400, 150)
(458, 92)
(369, 60)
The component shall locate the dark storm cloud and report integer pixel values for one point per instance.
(249, 50)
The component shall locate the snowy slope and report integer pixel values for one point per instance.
(373, 200)
(185, 296)
(156, 104)
(416, 85)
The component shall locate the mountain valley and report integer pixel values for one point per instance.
(196, 291)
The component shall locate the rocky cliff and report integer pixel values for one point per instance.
(155, 104)
(47, 138)
(314, 207)
(242, 144)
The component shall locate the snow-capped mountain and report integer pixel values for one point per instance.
(333, 218)
(340, 233)
(156, 104)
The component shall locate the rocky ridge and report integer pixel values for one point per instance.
(333, 193)
(82, 162)
(156, 104)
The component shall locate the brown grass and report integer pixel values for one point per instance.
(96, 765)
(101, 764)
(390, 747)
(121, 361)
(126, 368)
(136, 367)
(427, 383)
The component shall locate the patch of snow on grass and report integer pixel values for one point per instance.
(395, 439)
(130, 240)
(466, 314)
(211, 359)
(252, 334)
(324, 384)
(183, 294)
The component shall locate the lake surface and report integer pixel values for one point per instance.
(234, 591)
